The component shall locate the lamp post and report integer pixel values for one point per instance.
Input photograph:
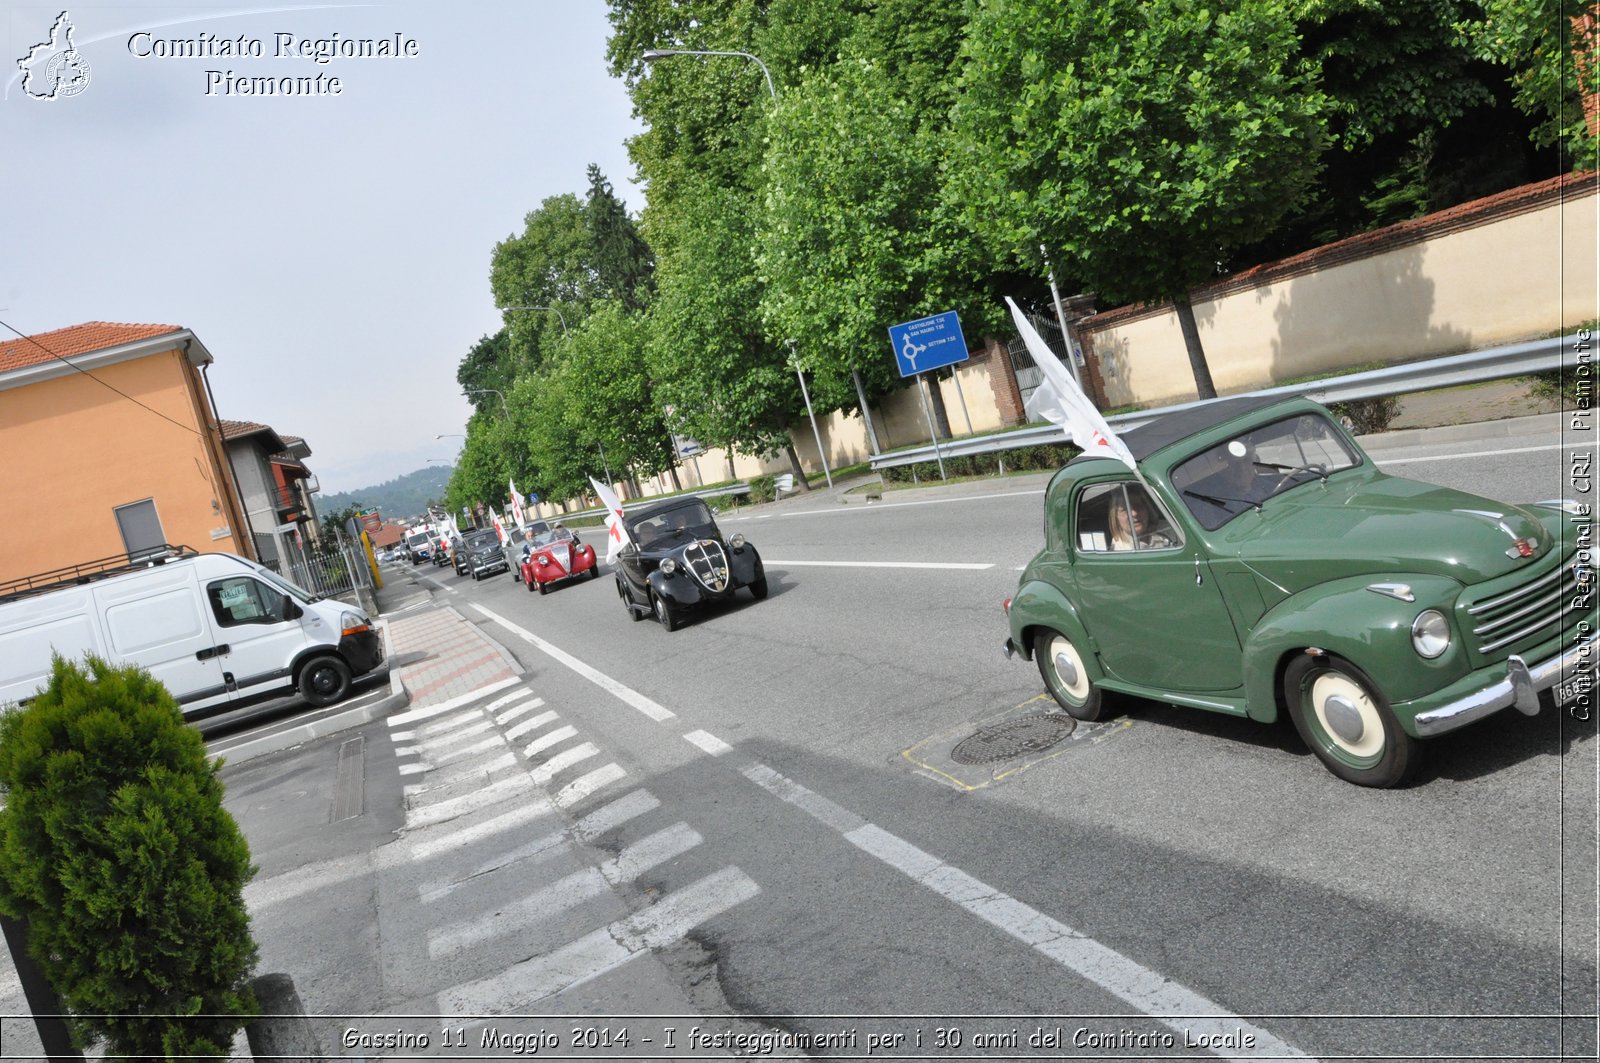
(491, 391)
(553, 310)
(822, 455)
(661, 53)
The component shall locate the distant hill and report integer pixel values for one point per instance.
(404, 496)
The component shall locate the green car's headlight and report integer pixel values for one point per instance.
(1430, 633)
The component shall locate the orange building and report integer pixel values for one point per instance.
(109, 444)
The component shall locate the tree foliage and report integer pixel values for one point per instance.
(1552, 50)
(117, 852)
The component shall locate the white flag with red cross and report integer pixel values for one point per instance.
(518, 512)
(616, 533)
(1058, 399)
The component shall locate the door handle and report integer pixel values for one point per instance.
(210, 652)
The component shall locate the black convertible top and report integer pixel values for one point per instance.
(1151, 437)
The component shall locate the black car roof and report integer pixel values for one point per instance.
(655, 508)
(1150, 437)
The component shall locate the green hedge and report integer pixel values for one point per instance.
(116, 851)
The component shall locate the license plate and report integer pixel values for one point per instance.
(1571, 689)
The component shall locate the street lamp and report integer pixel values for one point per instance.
(491, 391)
(822, 455)
(661, 53)
(554, 310)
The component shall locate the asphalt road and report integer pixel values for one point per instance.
(1170, 860)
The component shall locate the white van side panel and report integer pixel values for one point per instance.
(155, 623)
(36, 628)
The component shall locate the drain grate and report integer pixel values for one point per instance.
(1014, 738)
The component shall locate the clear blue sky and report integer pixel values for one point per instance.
(331, 251)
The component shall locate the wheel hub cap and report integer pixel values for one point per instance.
(1067, 669)
(1344, 719)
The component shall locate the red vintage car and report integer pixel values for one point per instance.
(557, 555)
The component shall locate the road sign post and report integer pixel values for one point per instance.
(925, 344)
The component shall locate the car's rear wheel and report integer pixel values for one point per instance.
(539, 583)
(1065, 676)
(324, 680)
(666, 612)
(1346, 721)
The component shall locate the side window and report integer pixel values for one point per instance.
(242, 600)
(1122, 517)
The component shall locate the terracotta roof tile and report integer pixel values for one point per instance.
(74, 340)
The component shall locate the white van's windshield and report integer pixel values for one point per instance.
(292, 589)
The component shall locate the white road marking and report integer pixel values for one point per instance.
(499, 703)
(521, 816)
(492, 742)
(428, 712)
(562, 761)
(456, 773)
(454, 807)
(585, 785)
(1380, 462)
(530, 725)
(773, 563)
(1155, 995)
(708, 742)
(506, 717)
(1141, 987)
(602, 950)
(553, 738)
(598, 678)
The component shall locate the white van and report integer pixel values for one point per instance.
(216, 629)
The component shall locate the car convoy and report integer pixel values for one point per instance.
(1250, 560)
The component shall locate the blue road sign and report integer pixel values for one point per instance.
(928, 343)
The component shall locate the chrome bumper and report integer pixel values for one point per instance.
(1520, 688)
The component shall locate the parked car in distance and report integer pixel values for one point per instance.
(556, 555)
(481, 553)
(519, 543)
(1263, 565)
(678, 561)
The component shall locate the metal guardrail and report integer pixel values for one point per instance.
(1495, 363)
(740, 488)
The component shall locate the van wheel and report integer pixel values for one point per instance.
(324, 680)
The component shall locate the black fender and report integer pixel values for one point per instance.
(679, 588)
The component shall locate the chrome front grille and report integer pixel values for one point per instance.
(708, 563)
(1530, 612)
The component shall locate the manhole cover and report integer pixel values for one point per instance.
(1014, 738)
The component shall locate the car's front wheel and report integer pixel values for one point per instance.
(324, 681)
(1346, 721)
(1065, 676)
(758, 586)
(666, 612)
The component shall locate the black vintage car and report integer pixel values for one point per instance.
(678, 560)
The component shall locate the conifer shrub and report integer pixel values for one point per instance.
(116, 851)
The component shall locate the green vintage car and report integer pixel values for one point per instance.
(1260, 564)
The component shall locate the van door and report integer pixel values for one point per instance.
(156, 622)
(260, 626)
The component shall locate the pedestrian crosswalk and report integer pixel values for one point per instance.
(503, 800)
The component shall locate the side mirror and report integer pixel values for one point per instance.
(291, 610)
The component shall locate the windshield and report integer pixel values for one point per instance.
(1223, 481)
(482, 538)
(552, 535)
(689, 521)
(419, 539)
(293, 590)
